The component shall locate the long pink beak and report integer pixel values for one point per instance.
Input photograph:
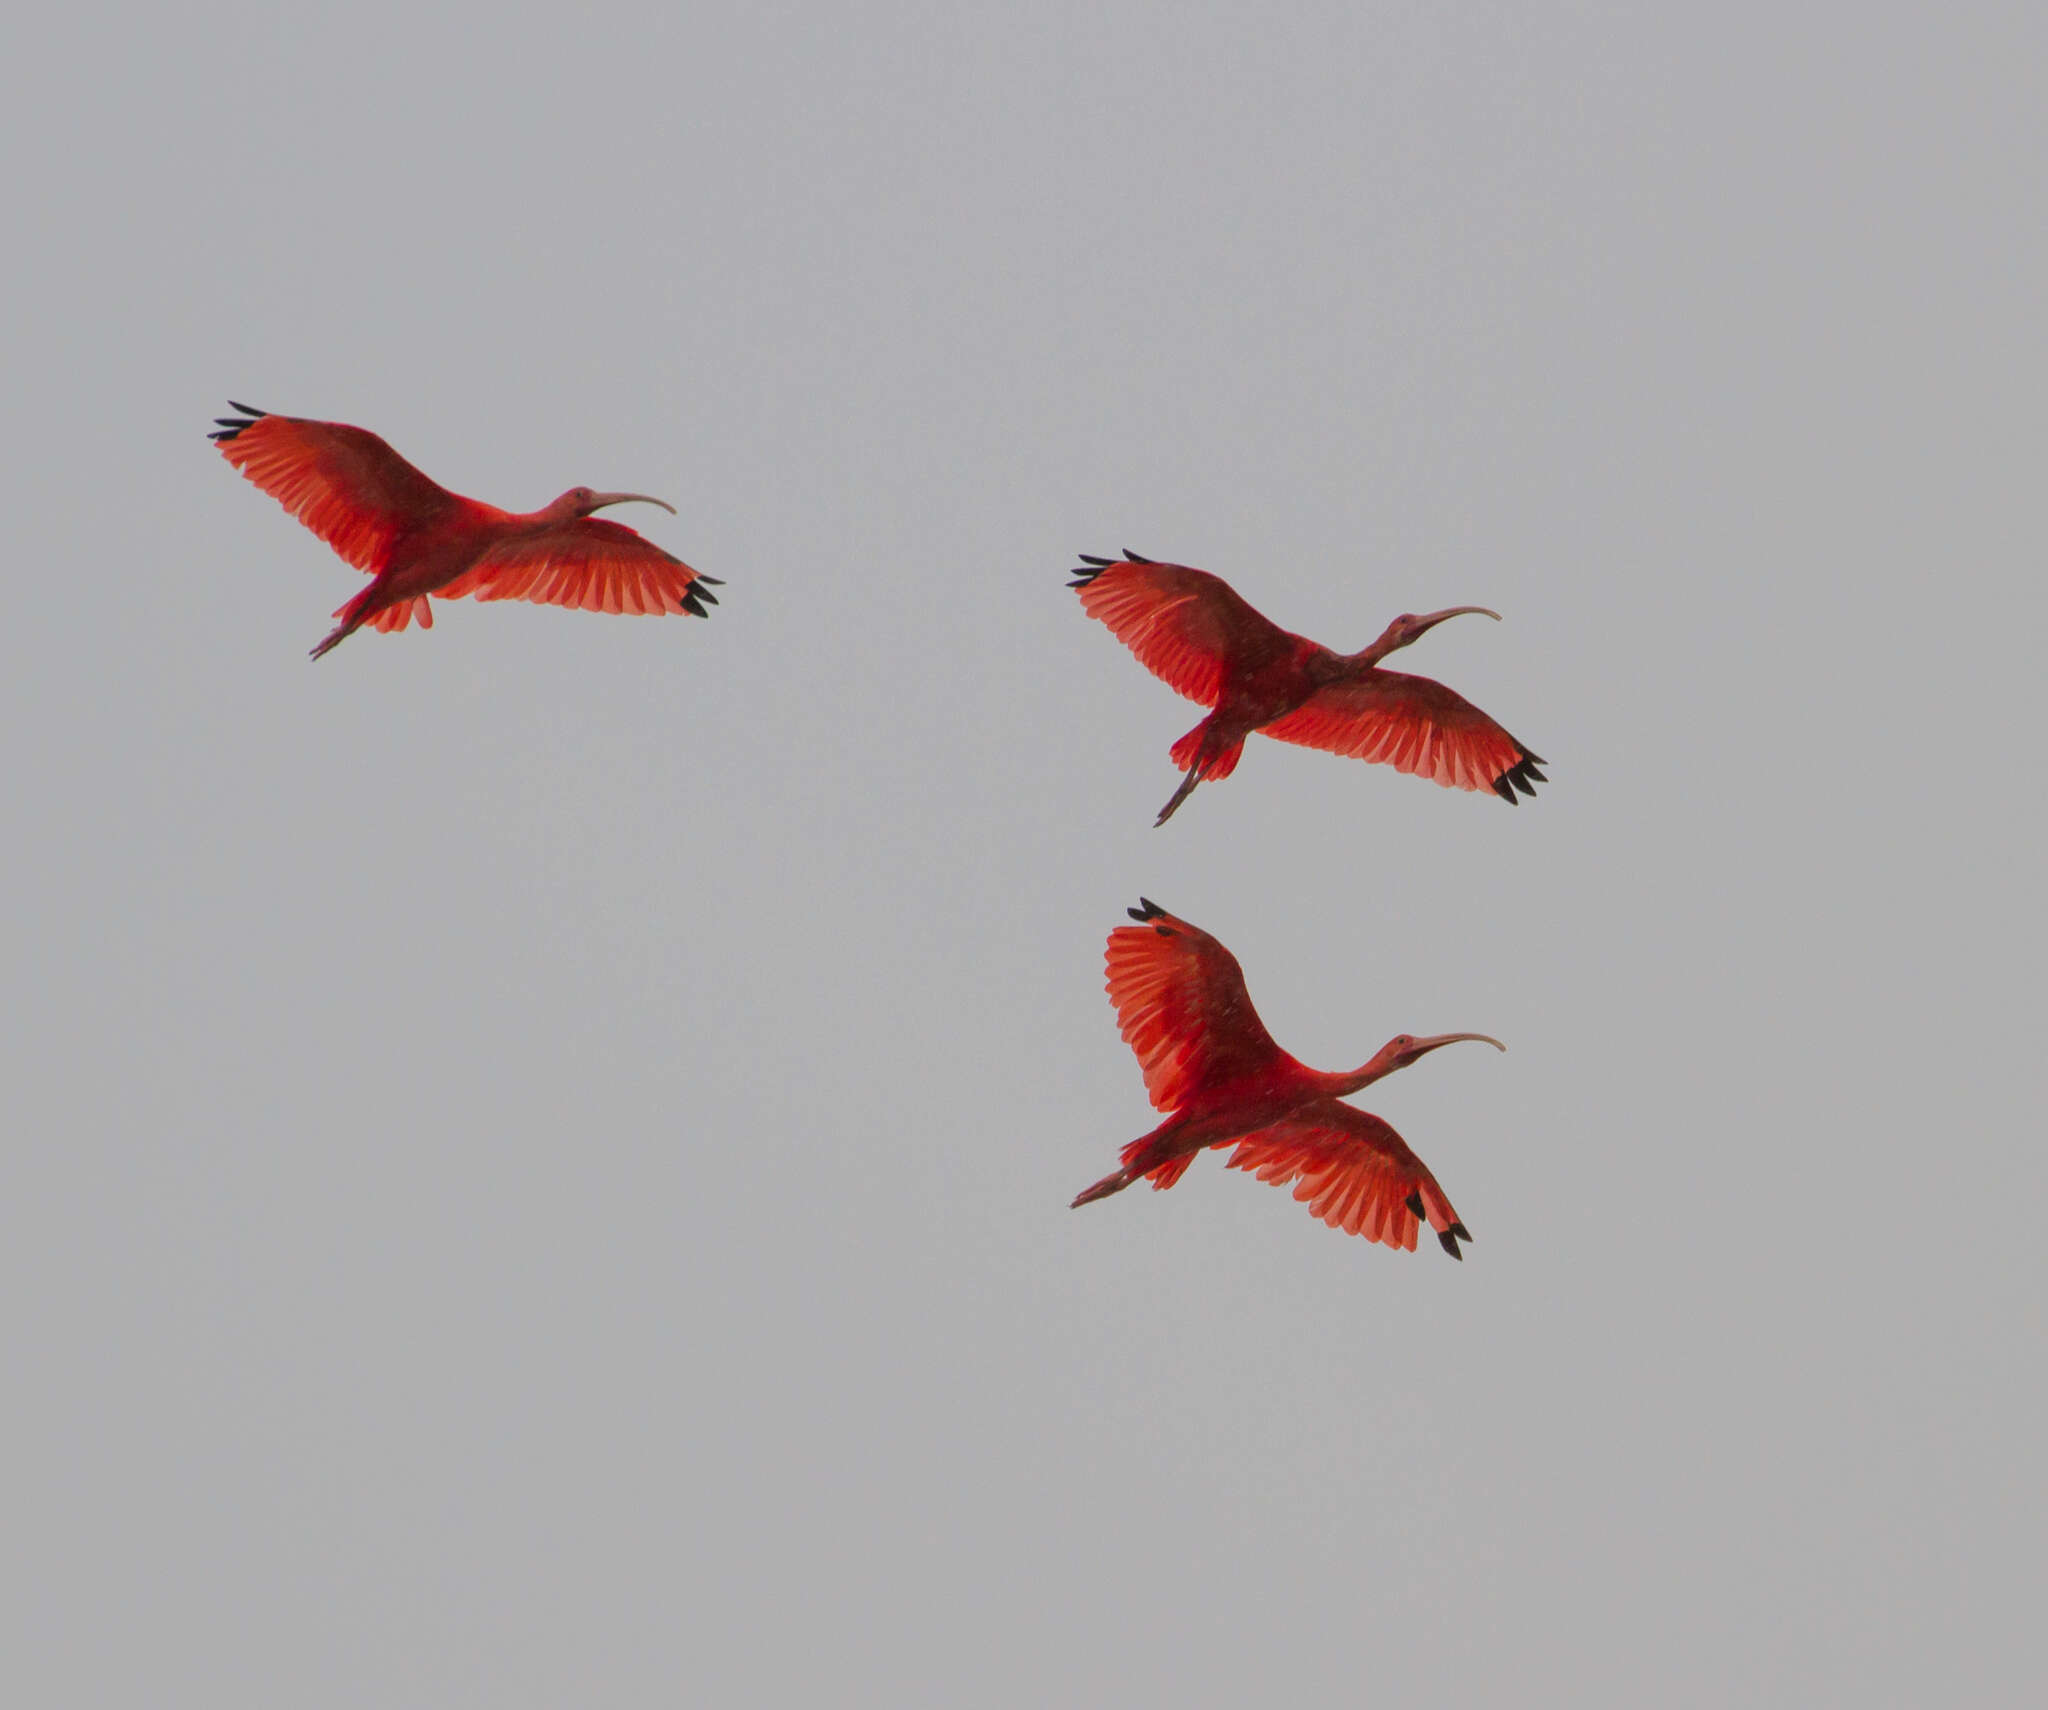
(1425, 624)
(1422, 1047)
(599, 500)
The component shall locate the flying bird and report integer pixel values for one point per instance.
(415, 538)
(1209, 1062)
(1198, 635)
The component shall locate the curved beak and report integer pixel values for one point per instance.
(1423, 1047)
(1393, 1056)
(598, 501)
(1429, 622)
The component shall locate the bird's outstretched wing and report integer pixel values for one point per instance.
(1182, 1006)
(1354, 1172)
(1186, 626)
(587, 562)
(343, 483)
(1413, 724)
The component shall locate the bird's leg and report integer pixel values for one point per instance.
(1114, 1183)
(1180, 795)
(335, 637)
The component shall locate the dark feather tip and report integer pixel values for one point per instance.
(1134, 557)
(715, 581)
(1090, 558)
(248, 409)
(1504, 789)
(1449, 1243)
(1415, 1204)
(1462, 1233)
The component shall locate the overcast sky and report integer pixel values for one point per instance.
(539, 1151)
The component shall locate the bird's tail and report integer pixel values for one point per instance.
(1203, 747)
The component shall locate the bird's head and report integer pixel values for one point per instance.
(581, 501)
(1405, 1048)
(1408, 627)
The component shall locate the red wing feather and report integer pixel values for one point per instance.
(588, 562)
(1413, 724)
(1352, 1171)
(1186, 626)
(1182, 1006)
(343, 483)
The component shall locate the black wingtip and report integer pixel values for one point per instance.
(1138, 557)
(1415, 1203)
(231, 427)
(1522, 775)
(1147, 909)
(1089, 568)
(1449, 1243)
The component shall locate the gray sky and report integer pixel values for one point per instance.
(541, 1150)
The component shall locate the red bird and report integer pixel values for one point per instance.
(1197, 634)
(1182, 1007)
(416, 538)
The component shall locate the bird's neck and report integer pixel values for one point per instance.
(1354, 1080)
(1390, 638)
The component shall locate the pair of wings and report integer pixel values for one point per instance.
(351, 489)
(1183, 1008)
(1194, 631)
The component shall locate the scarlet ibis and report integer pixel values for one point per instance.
(416, 538)
(1196, 633)
(1182, 1006)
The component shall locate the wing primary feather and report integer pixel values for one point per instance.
(1449, 1243)
(1415, 1202)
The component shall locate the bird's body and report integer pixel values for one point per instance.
(414, 538)
(1197, 634)
(1209, 1062)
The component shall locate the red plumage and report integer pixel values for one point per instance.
(1183, 1008)
(415, 538)
(1197, 634)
